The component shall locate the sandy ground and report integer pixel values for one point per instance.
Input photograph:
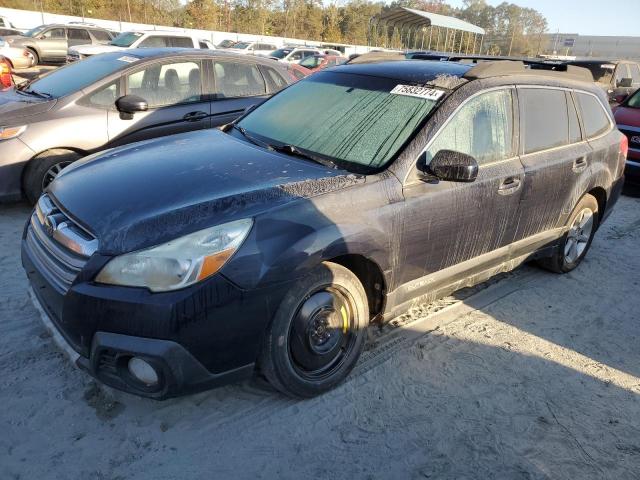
(535, 376)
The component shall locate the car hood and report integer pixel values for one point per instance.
(15, 106)
(95, 49)
(627, 116)
(150, 192)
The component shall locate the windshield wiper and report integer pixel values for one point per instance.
(293, 150)
(34, 92)
(253, 140)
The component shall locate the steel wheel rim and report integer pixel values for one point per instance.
(53, 172)
(323, 333)
(578, 236)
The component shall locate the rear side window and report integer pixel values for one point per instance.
(544, 120)
(574, 125)
(154, 42)
(482, 128)
(181, 42)
(594, 118)
(203, 45)
(78, 34)
(238, 80)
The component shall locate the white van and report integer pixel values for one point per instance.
(253, 48)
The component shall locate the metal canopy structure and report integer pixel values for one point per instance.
(407, 28)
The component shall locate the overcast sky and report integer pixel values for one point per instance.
(586, 17)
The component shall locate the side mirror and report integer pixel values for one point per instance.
(130, 104)
(453, 166)
(625, 82)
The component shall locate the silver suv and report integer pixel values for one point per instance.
(49, 43)
(119, 98)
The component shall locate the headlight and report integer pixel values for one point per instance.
(180, 262)
(11, 132)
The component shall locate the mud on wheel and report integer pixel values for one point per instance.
(317, 334)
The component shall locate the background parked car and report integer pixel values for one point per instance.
(253, 48)
(318, 62)
(5, 23)
(226, 44)
(6, 73)
(19, 57)
(297, 72)
(627, 116)
(49, 43)
(139, 39)
(616, 77)
(4, 32)
(293, 54)
(113, 99)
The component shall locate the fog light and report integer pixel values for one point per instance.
(143, 371)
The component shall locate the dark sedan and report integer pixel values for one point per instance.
(122, 97)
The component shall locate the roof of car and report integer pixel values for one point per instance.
(416, 71)
(143, 53)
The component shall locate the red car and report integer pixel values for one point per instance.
(318, 62)
(297, 72)
(627, 116)
(6, 77)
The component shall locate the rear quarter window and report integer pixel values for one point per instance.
(594, 118)
(544, 119)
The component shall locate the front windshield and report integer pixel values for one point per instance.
(240, 45)
(77, 75)
(354, 120)
(125, 39)
(281, 52)
(34, 31)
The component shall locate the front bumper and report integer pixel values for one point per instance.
(196, 338)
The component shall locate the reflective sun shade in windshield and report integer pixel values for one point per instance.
(352, 119)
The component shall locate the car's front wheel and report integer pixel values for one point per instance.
(574, 245)
(317, 334)
(43, 169)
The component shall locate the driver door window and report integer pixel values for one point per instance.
(168, 84)
(54, 33)
(482, 128)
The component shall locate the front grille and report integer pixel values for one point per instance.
(58, 246)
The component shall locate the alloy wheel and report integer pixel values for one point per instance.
(578, 236)
(53, 172)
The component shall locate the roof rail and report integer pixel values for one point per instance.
(498, 68)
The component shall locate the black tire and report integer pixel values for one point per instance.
(36, 57)
(323, 318)
(560, 262)
(38, 172)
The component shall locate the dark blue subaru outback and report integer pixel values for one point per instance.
(178, 264)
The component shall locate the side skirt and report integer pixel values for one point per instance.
(470, 272)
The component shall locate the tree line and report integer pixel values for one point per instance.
(509, 27)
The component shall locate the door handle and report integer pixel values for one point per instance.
(195, 116)
(579, 164)
(509, 186)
